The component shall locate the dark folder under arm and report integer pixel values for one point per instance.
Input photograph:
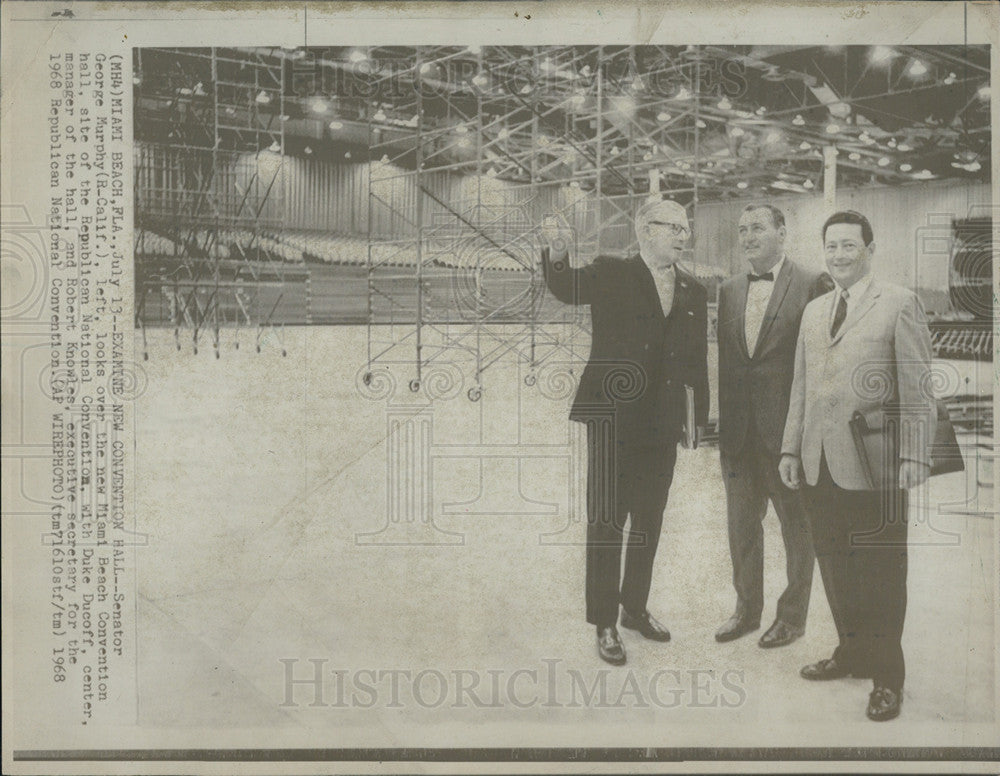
(876, 437)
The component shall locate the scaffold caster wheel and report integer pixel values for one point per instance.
(529, 380)
(258, 348)
(414, 385)
(145, 356)
(217, 354)
(178, 346)
(367, 379)
(475, 394)
(284, 352)
(196, 350)
(237, 346)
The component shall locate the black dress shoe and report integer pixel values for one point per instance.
(826, 669)
(646, 625)
(779, 634)
(609, 646)
(735, 627)
(884, 704)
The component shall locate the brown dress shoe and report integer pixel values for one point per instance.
(646, 624)
(609, 646)
(825, 669)
(883, 704)
(735, 627)
(779, 634)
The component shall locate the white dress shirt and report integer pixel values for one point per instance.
(853, 295)
(758, 297)
(665, 279)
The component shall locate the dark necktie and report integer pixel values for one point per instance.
(840, 314)
(766, 276)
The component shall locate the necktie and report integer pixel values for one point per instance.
(766, 276)
(840, 314)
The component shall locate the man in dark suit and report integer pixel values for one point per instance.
(863, 347)
(649, 340)
(759, 315)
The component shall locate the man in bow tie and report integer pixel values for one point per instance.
(649, 340)
(759, 315)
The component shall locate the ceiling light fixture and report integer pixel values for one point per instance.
(885, 161)
(881, 54)
(742, 185)
(798, 120)
(917, 69)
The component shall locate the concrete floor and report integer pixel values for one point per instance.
(264, 484)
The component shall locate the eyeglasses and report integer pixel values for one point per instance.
(675, 229)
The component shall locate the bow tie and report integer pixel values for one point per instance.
(769, 276)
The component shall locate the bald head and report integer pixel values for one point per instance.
(662, 229)
(664, 211)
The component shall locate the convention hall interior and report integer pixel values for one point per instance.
(352, 440)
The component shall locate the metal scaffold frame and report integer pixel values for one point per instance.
(561, 148)
(209, 191)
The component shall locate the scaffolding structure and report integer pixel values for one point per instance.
(558, 126)
(418, 176)
(208, 191)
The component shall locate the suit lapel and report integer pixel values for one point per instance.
(781, 284)
(740, 298)
(647, 287)
(857, 312)
(682, 288)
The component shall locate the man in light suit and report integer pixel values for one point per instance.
(861, 347)
(758, 327)
(649, 340)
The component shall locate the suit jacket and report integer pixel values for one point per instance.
(882, 353)
(639, 360)
(755, 387)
